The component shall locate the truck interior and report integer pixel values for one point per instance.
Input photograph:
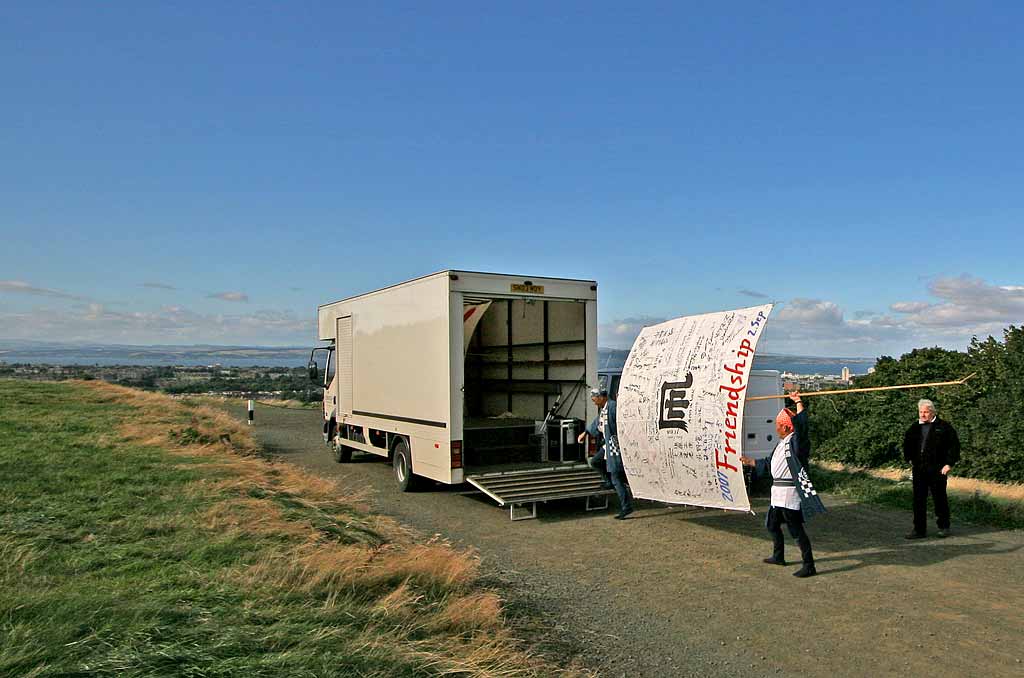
(525, 363)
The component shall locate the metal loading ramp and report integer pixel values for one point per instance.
(517, 489)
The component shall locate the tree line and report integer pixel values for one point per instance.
(866, 429)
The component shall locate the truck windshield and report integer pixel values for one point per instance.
(323, 356)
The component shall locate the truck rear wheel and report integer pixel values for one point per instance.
(401, 461)
(342, 453)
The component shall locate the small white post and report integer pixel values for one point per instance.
(250, 412)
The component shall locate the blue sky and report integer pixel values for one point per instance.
(210, 172)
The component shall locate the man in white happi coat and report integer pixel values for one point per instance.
(786, 463)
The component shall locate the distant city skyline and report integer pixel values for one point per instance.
(180, 174)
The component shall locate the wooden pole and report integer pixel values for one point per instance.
(865, 390)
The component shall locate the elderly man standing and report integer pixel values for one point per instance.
(793, 496)
(931, 447)
(605, 424)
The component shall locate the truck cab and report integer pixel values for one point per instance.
(322, 372)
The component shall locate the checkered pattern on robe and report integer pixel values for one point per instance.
(611, 443)
(810, 502)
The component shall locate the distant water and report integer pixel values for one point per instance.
(800, 365)
(93, 356)
(297, 357)
(130, 360)
(783, 363)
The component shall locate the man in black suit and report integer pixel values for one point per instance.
(931, 446)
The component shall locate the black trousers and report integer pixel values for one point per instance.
(929, 480)
(795, 520)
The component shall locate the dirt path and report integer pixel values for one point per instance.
(680, 591)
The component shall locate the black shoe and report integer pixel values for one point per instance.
(622, 514)
(915, 535)
(805, 571)
(772, 561)
(943, 533)
(606, 486)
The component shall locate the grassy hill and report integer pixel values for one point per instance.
(142, 536)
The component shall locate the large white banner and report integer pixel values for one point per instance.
(680, 408)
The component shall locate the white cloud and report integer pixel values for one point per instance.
(966, 307)
(909, 306)
(621, 333)
(811, 312)
(960, 308)
(231, 296)
(158, 286)
(969, 299)
(169, 325)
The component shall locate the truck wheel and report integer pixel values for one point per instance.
(401, 460)
(342, 453)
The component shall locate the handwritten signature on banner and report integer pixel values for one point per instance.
(671, 408)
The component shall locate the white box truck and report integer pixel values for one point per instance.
(449, 375)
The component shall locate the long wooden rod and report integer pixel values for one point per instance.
(864, 390)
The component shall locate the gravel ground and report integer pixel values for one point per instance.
(679, 591)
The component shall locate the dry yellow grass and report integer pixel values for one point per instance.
(1010, 491)
(256, 516)
(485, 655)
(328, 569)
(400, 602)
(230, 453)
(463, 634)
(470, 612)
(435, 564)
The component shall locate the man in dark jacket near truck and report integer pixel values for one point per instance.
(931, 446)
(605, 425)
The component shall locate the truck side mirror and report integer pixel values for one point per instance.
(314, 373)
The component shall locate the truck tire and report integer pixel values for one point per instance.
(401, 461)
(342, 453)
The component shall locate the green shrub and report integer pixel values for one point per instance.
(866, 429)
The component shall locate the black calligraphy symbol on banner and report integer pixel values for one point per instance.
(674, 403)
